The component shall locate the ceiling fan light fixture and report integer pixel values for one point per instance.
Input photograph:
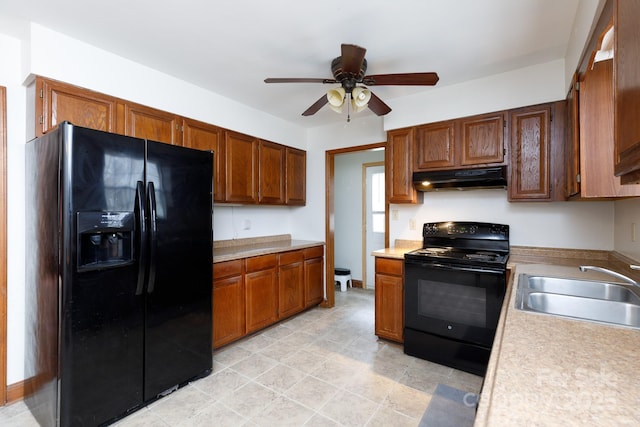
(336, 99)
(360, 97)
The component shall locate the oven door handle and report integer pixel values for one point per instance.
(459, 268)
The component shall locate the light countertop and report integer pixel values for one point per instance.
(547, 370)
(229, 250)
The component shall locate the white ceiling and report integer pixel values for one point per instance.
(230, 47)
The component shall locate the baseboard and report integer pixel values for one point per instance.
(15, 391)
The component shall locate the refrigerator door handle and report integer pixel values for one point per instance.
(153, 239)
(142, 245)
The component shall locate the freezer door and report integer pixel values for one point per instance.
(178, 340)
(101, 344)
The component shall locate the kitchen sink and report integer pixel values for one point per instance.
(588, 300)
(581, 288)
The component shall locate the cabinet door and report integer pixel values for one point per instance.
(482, 139)
(313, 281)
(296, 177)
(572, 164)
(389, 299)
(435, 146)
(271, 171)
(228, 310)
(149, 123)
(241, 162)
(530, 153)
(60, 102)
(399, 167)
(597, 177)
(203, 136)
(626, 15)
(261, 299)
(291, 283)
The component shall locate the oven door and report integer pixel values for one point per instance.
(457, 302)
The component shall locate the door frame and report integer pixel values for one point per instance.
(365, 223)
(329, 219)
(3, 245)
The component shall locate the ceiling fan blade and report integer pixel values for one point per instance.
(378, 106)
(316, 106)
(352, 57)
(402, 79)
(298, 80)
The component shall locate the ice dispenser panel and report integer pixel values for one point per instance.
(105, 239)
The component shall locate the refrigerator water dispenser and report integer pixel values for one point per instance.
(105, 239)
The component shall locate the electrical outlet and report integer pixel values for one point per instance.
(394, 214)
(412, 224)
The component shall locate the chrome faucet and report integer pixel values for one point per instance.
(610, 272)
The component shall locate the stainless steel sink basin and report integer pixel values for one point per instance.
(582, 288)
(597, 310)
(588, 300)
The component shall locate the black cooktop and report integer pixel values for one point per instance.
(465, 243)
(460, 255)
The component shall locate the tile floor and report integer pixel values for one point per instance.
(324, 367)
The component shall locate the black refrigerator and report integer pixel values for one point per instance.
(118, 273)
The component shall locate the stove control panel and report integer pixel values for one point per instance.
(471, 230)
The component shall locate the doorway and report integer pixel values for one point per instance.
(330, 226)
(373, 214)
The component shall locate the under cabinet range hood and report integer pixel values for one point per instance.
(461, 179)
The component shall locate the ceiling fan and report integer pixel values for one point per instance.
(349, 70)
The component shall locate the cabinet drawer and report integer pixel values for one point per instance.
(262, 262)
(291, 257)
(389, 266)
(315, 252)
(227, 269)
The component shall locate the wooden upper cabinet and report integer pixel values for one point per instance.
(482, 139)
(296, 177)
(58, 102)
(530, 148)
(241, 160)
(399, 167)
(461, 143)
(435, 146)
(626, 16)
(271, 170)
(203, 136)
(596, 135)
(246, 170)
(149, 123)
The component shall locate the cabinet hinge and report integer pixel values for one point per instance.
(578, 178)
(577, 86)
(41, 93)
(40, 120)
(504, 124)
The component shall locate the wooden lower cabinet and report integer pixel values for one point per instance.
(261, 291)
(228, 302)
(313, 276)
(290, 283)
(250, 294)
(389, 299)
